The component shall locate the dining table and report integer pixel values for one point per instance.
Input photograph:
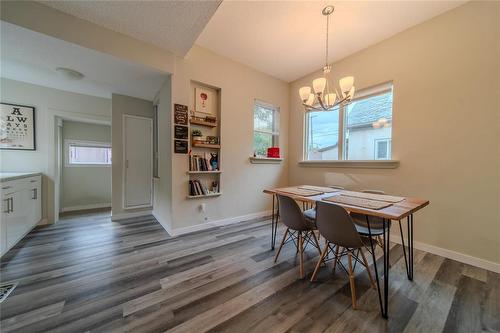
(385, 207)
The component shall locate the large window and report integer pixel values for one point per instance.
(360, 131)
(265, 127)
(88, 153)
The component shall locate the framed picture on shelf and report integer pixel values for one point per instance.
(204, 101)
(17, 127)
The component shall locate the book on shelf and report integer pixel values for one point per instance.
(196, 187)
(201, 162)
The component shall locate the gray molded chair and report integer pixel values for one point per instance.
(299, 229)
(337, 227)
(376, 223)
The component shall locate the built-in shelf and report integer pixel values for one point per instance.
(209, 172)
(204, 196)
(203, 123)
(205, 145)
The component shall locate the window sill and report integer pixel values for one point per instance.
(265, 160)
(381, 164)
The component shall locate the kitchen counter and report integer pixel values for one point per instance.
(7, 176)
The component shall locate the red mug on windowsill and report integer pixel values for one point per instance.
(273, 152)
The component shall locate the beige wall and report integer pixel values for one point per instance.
(162, 209)
(85, 186)
(241, 182)
(49, 103)
(123, 105)
(446, 126)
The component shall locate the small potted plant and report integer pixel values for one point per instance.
(197, 136)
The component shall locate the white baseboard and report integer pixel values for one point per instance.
(218, 223)
(116, 217)
(83, 207)
(461, 257)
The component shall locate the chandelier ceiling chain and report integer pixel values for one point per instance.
(323, 99)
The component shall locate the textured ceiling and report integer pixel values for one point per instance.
(171, 25)
(32, 57)
(286, 39)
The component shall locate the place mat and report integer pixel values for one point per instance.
(319, 188)
(359, 202)
(372, 196)
(298, 191)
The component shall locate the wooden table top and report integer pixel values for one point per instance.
(396, 211)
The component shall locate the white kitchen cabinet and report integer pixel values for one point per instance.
(21, 207)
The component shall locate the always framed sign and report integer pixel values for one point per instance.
(17, 127)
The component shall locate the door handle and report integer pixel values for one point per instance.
(35, 194)
(7, 201)
(11, 205)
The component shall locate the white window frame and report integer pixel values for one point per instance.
(83, 143)
(389, 148)
(362, 94)
(276, 121)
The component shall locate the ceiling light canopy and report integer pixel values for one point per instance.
(69, 73)
(322, 97)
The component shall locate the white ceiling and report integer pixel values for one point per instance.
(286, 39)
(172, 25)
(32, 57)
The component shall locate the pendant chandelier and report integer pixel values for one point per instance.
(322, 97)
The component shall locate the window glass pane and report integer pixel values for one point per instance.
(368, 128)
(263, 119)
(262, 141)
(89, 155)
(322, 135)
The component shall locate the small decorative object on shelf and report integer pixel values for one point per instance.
(215, 187)
(273, 152)
(213, 140)
(197, 136)
(214, 161)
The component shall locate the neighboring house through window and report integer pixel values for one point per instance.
(265, 127)
(361, 130)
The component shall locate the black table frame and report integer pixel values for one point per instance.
(407, 252)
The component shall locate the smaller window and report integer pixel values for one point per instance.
(265, 127)
(382, 149)
(88, 153)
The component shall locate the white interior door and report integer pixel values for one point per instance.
(138, 162)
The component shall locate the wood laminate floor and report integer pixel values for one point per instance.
(90, 274)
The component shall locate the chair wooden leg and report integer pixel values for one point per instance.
(321, 259)
(301, 253)
(281, 245)
(337, 249)
(316, 242)
(351, 280)
(372, 282)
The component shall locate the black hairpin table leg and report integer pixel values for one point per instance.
(274, 221)
(408, 254)
(383, 299)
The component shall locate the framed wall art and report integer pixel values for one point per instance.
(17, 127)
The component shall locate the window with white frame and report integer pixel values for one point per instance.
(88, 153)
(362, 130)
(265, 127)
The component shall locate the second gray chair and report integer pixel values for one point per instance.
(299, 229)
(376, 223)
(337, 227)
